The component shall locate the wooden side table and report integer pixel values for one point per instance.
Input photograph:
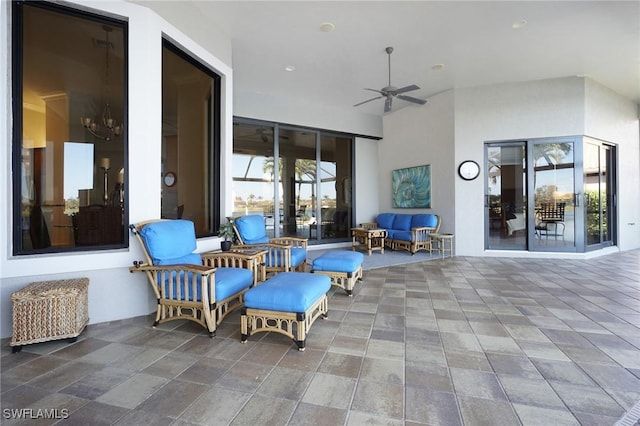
(368, 239)
(443, 244)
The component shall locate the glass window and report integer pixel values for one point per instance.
(69, 143)
(312, 179)
(190, 141)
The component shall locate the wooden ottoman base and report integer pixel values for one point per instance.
(287, 304)
(49, 310)
(295, 325)
(345, 280)
(342, 266)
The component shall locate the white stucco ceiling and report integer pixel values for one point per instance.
(474, 40)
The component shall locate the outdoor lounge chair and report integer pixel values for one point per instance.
(284, 254)
(203, 288)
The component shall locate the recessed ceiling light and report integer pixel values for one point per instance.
(327, 27)
(289, 68)
(436, 67)
(519, 24)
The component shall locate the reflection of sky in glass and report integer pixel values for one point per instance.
(78, 168)
(253, 167)
(561, 178)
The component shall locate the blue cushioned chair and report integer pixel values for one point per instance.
(284, 254)
(203, 288)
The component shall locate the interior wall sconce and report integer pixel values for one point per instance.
(105, 164)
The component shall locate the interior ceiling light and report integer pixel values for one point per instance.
(519, 24)
(108, 128)
(327, 27)
(289, 68)
(436, 67)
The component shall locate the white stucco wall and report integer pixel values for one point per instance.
(418, 135)
(536, 109)
(366, 189)
(612, 118)
(114, 292)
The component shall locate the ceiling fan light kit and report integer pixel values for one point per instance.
(390, 91)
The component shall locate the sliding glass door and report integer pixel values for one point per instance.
(506, 202)
(298, 179)
(552, 195)
(599, 182)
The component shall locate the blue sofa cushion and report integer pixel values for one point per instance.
(402, 235)
(402, 222)
(338, 261)
(424, 220)
(170, 242)
(252, 229)
(385, 220)
(288, 292)
(230, 281)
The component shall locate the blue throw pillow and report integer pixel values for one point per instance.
(402, 222)
(424, 220)
(385, 220)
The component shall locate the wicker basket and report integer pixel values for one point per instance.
(49, 310)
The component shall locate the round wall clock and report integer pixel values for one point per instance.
(469, 170)
(169, 179)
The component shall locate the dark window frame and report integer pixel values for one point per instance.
(17, 14)
(212, 132)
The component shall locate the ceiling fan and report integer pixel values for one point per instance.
(390, 91)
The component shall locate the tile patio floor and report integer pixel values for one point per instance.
(473, 341)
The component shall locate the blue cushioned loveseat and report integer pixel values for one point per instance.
(407, 231)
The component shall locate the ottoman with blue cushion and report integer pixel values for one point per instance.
(342, 266)
(289, 303)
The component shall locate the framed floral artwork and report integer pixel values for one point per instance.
(411, 187)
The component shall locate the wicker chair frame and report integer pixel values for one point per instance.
(276, 248)
(178, 299)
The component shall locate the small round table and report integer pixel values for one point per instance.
(444, 244)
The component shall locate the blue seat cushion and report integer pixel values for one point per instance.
(338, 261)
(385, 220)
(168, 242)
(402, 222)
(424, 220)
(230, 281)
(402, 235)
(298, 255)
(391, 233)
(288, 292)
(252, 229)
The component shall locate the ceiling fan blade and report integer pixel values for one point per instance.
(368, 100)
(412, 99)
(387, 104)
(377, 91)
(405, 89)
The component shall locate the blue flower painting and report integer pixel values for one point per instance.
(411, 187)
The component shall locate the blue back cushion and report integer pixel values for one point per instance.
(385, 220)
(402, 222)
(424, 220)
(252, 229)
(171, 242)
